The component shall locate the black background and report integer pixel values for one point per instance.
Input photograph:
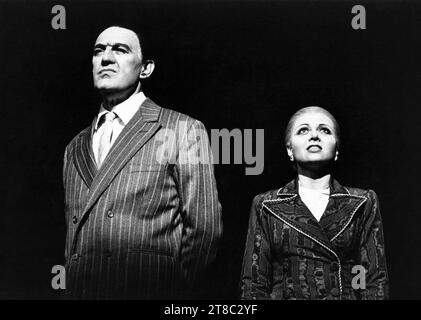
(246, 65)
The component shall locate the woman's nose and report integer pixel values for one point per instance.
(314, 135)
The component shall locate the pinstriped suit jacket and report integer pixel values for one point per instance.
(147, 222)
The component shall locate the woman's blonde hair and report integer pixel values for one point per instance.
(288, 130)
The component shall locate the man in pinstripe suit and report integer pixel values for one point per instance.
(143, 216)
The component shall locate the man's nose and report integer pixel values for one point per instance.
(108, 56)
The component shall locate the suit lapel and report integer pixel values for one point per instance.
(135, 134)
(291, 210)
(83, 158)
(340, 210)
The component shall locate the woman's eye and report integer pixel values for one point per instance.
(97, 52)
(302, 131)
(326, 130)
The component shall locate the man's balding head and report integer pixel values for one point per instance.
(117, 32)
(118, 62)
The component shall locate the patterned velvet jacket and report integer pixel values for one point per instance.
(291, 255)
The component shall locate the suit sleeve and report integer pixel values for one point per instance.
(372, 254)
(257, 261)
(199, 205)
(64, 168)
(64, 188)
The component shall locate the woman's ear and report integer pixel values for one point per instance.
(289, 151)
(146, 69)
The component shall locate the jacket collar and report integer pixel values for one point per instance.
(144, 124)
(124, 110)
(84, 158)
(340, 210)
(292, 188)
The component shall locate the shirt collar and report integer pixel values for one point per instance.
(124, 110)
(291, 188)
(302, 189)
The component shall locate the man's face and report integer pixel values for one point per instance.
(117, 60)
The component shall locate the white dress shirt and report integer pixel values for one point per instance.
(315, 199)
(124, 111)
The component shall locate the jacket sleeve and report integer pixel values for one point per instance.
(199, 205)
(64, 189)
(64, 168)
(372, 253)
(257, 266)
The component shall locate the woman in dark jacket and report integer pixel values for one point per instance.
(313, 238)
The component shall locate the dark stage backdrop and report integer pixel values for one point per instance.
(238, 64)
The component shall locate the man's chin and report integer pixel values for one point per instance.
(110, 87)
(104, 87)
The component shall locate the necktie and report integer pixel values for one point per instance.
(106, 135)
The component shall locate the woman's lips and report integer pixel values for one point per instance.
(314, 148)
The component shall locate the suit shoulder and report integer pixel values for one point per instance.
(268, 195)
(72, 142)
(368, 193)
(171, 117)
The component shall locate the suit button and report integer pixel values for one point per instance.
(110, 214)
(335, 292)
(74, 219)
(75, 256)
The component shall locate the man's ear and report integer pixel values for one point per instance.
(146, 69)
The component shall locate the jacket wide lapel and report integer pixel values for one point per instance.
(291, 210)
(135, 134)
(294, 213)
(340, 210)
(84, 158)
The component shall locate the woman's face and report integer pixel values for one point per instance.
(313, 138)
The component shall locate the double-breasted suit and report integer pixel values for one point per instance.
(291, 255)
(147, 222)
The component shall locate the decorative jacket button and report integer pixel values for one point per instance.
(74, 219)
(335, 292)
(75, 256)
(110, 214)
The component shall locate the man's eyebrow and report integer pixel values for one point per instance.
(113, 46)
